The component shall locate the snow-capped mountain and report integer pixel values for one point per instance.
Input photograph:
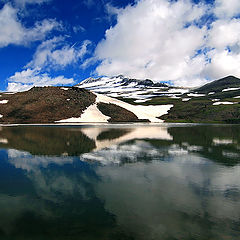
(123, 87)
(137, 101)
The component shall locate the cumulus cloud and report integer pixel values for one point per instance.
(12, 30)
(173, 41)
(55, 53)
(224, 42)
(227, 8)
(23, 81)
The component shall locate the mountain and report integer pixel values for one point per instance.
(123, 88)
(134, 101)
(220, 85)
(215, 102)
(72, 104)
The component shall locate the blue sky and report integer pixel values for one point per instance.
(59, 42)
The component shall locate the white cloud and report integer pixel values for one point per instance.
(55, 53)
(13, 32)
(223, 63)
(224, 40)
(225, 33)
(22, 81)
(150, 41)
(162, 40)
(227, 8)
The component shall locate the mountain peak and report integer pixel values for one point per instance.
(219, 85)
(124, 87)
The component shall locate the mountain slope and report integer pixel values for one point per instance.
(216, 102)
(72, 104)
(44, 104)
(124, 88)
(220, 85)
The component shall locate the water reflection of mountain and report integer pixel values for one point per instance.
(49, 141)
(218, 143)
(125, 144)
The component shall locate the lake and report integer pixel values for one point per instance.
(120, 182)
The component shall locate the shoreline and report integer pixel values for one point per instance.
(93, 124)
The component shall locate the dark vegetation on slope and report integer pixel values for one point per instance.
(203, 110)
(219, 85)
(45, 105)
(117, 114)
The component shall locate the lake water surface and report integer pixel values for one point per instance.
(120, 182)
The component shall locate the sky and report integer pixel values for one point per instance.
(62, 42)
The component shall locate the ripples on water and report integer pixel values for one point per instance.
(169, 182)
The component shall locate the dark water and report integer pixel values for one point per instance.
(169, 182)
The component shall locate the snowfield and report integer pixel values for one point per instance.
(93, 114)
(3, 101)
(142, 112)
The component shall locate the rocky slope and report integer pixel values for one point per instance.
(44, 104)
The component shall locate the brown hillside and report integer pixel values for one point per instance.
(45, 105)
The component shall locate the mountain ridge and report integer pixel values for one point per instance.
(216, 102)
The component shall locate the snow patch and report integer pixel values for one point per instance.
(186, 99)
(230, 89)
(175, 97)
(237, 97)
(141, 100)
(196, 95)
(9, 93)
(3, 141)
(3, 101)
(224, 103)
(64, 88)
(91, 114)
(1, 115)
(211, 93)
